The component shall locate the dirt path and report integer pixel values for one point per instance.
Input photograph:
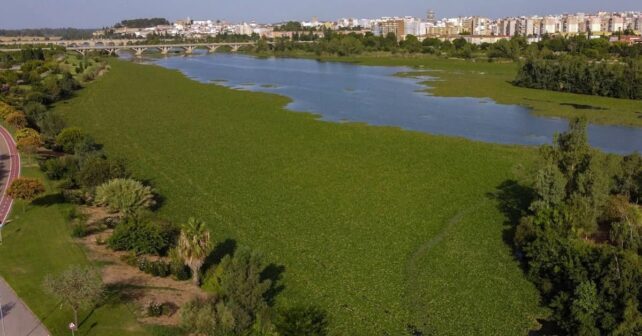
(412, 265)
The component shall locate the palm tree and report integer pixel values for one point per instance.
(194, 245)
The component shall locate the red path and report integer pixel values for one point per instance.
(10, 170)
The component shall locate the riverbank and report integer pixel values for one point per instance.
(351, 211)
(483, 79)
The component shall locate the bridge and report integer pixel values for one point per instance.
(74, 43)
(164, 49)
(113, 46)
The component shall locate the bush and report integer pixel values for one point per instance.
(59, 168)
(155, 268)
(35, 111)
(75, 196)
(153, 309)
(310, 321)
(97, 170)
(79, 230)
(146, 236)
(51, 124)
(179, 270)
(73, 138)
(130, 259)
(126, 196)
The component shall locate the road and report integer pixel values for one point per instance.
(18, 320)
(9, 170)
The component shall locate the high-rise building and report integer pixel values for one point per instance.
(616, 24)
(396, 27)
(594, 25)
(430, 17)
(571, 25)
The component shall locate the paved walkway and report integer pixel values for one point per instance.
(18, 320)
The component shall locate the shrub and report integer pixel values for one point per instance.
(72, 138)
(179, 270)
(156, 268)
(310, 321)
(97, 170)
(143, 237)
(34, 111)
(126, 196)
(79, 230)
(16, 119)
(61, 167)
(51, 124)
(153, 309)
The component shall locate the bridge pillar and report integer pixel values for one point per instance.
(235, 47)
(165, 50)
(189, 49)
(82, 51)
(139, 51)
(212, 48)
(111, 51)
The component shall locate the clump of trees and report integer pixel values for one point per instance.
(578, 75)
(241, 303)
(580, 237)
(142, 23)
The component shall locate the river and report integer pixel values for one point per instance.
(343, 92)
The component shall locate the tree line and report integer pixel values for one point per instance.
(577, 74)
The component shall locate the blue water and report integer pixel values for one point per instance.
(348, 92)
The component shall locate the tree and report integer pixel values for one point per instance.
(411, 44)
(303, 320)
(25, 189)
(584, 308)
(126, 196)
(629, 178)
(78, 287)
(244, 287)
(240, 304)
(194, 245)
(16, 119)
(28, 141)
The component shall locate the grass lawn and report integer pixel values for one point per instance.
(382, 227)
(38, 242)
(457, 78)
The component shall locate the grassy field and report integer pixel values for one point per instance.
(482, 79)
(37, 242)
(382, 227)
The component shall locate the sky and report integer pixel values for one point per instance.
(99, 13)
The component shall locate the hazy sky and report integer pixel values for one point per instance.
(98, 13)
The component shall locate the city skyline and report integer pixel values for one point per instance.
(94, 14)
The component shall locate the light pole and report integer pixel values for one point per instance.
(73, 327)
